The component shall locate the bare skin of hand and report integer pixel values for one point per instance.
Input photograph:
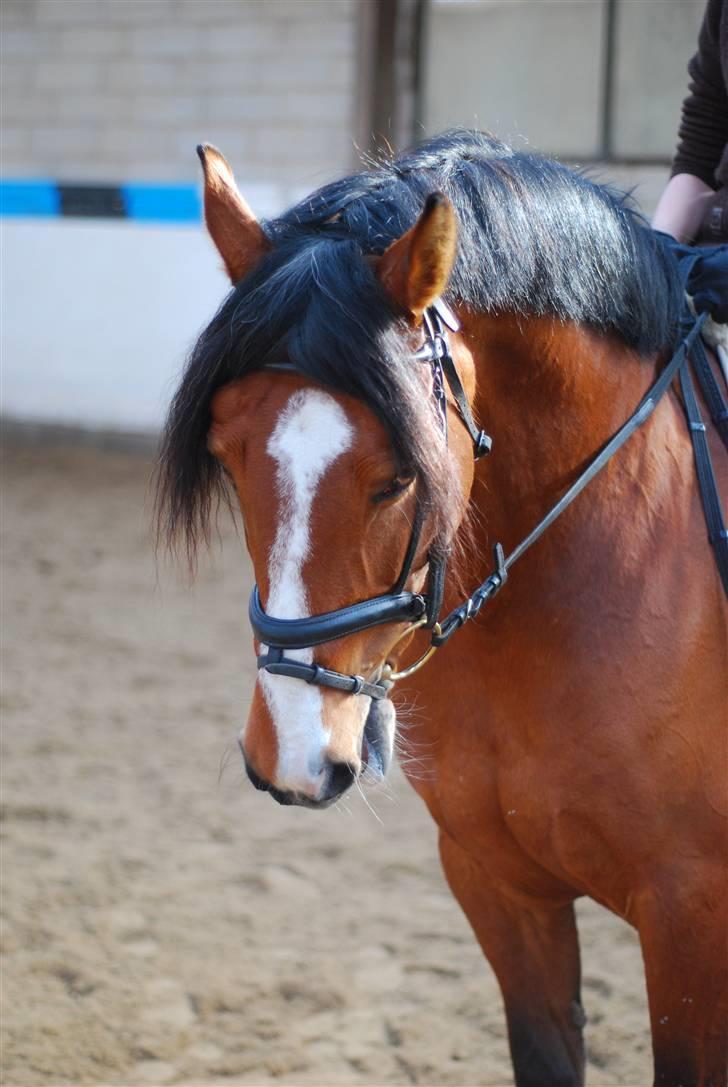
(681, 207)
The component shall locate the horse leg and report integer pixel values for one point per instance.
(534, 951)
(684, 945)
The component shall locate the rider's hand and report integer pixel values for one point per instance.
(708, 283)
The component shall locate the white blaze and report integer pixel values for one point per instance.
(310, 434)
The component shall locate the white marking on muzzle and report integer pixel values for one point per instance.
(310, 434)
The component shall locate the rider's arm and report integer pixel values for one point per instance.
(703, 134)
(682, 206)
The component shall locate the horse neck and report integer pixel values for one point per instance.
(550, 395)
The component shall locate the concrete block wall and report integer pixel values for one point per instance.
(528, 71)
(654, 43)
(533, 72)
(117, 90)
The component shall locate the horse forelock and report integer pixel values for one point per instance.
(320, 306)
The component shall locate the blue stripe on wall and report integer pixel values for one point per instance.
(33, 197)
(142, 202)
(162, 203)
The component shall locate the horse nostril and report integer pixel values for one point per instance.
(341, 776)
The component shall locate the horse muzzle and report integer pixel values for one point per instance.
(337, 777)
(320, 785)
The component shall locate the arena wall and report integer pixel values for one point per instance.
(97, 313)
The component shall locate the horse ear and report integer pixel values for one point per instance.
(231, 223)
(416, 268)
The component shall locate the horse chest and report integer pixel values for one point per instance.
(502, 819)
(530, 818)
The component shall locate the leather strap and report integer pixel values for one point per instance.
(717, 534)
(278, 665)
(436, 351)
(482, 442)
(714, 398)
(411, 551)
(317, 629)
(435, 587)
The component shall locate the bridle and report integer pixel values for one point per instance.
(398, 605)
(422, 610)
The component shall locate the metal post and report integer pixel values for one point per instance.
(606, 136)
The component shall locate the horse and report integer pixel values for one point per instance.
(576, 725)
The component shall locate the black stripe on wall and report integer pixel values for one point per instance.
(92, 201)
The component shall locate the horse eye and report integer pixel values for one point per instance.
(397, 486)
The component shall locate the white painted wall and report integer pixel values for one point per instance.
(97, 317)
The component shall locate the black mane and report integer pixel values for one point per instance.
(534, 237)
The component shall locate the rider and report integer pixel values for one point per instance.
(693, 208)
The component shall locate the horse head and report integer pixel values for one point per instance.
(334, 513)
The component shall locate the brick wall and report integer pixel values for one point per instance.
(117, 90)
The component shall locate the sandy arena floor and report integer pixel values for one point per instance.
(164, 923)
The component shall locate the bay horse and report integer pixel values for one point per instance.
(577, 724)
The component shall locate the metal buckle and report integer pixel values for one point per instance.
(483, 445)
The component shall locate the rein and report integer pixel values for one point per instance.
(422, 609)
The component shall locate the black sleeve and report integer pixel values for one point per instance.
(703, 132)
